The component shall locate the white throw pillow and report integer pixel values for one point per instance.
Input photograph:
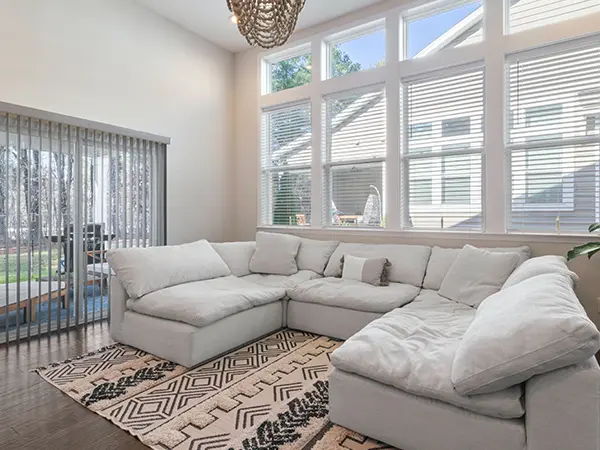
(372, 271)
(314, 255)
(275, 254)
(237, 256)
(476, 274)
(530, 328)
(145, 270)
(442, 259)
(540, 266)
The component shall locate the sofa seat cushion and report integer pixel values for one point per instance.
(412, 349)
(351, 294)
(282, 281)
(204, 302)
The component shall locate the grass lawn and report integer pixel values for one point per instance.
(14, 261)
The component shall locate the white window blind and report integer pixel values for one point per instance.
(354, 159)
(553, 140)
(443, 141)
(286, 166)
(525, 14)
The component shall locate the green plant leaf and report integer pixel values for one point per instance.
(594, 227)
(589, 249)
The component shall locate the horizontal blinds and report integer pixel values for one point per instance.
(354, 159)
(553, 140)
(525, 14)
(443, 141)
(286, 157)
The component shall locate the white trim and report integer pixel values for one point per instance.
(81, 123)
(346, 233)
(491, 53)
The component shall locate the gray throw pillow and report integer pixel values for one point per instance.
(476, 274)
(275, 254)
(533, 327)
(367, 270)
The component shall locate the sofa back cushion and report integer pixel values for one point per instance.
(530, 328)
(314, 255)
(275, 254)
(442, 259)
(237, 256)
(408, 261)
(145, 270)
(540, 266)
(476, 274)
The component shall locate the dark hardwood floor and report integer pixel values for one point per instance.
(35, 415)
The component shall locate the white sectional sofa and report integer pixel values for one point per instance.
(461, 351)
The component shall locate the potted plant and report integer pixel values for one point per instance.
(589, 249)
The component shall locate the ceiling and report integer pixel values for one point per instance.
(210, 18)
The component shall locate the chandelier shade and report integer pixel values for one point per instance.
(266, 23)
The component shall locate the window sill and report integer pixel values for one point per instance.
(345, 234)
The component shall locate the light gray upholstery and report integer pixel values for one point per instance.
(351, 294)
(282, 281)
(204, 302)
(188, 345)
(330, 321)
(411, 422)
(412, 349)
(563, 408)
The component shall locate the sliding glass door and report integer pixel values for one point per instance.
(67, 195)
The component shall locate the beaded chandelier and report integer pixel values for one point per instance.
(266, 23)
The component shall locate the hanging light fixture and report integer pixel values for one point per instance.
(266, 23)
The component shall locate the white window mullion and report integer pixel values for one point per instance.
(494, 161)
(318, 70)
(393, 181)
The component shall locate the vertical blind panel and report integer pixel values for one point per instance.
(286, 157)
(63, 194)
(354, 160)
(554, 141)
(443, 139)
(526, 14)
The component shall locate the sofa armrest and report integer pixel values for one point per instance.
(118, 299)
(563, 408)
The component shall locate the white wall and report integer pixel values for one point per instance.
(247, 115)
(117, 62)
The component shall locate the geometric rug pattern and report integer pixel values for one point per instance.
(270, 394)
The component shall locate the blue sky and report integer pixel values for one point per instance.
(370, 49)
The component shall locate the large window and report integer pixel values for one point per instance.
(473, 116)
(525, 14)
(442, 151)
(354, 157)
(552, 140)
(286, 163)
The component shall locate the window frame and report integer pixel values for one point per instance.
(350, 35)
(496, 45)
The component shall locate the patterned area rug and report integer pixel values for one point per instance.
(271, 394)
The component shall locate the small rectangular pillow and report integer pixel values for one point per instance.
(367, 270)
(314, 255)
(528, 329)
(145, 270)
(476, 274)
(275, 254)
